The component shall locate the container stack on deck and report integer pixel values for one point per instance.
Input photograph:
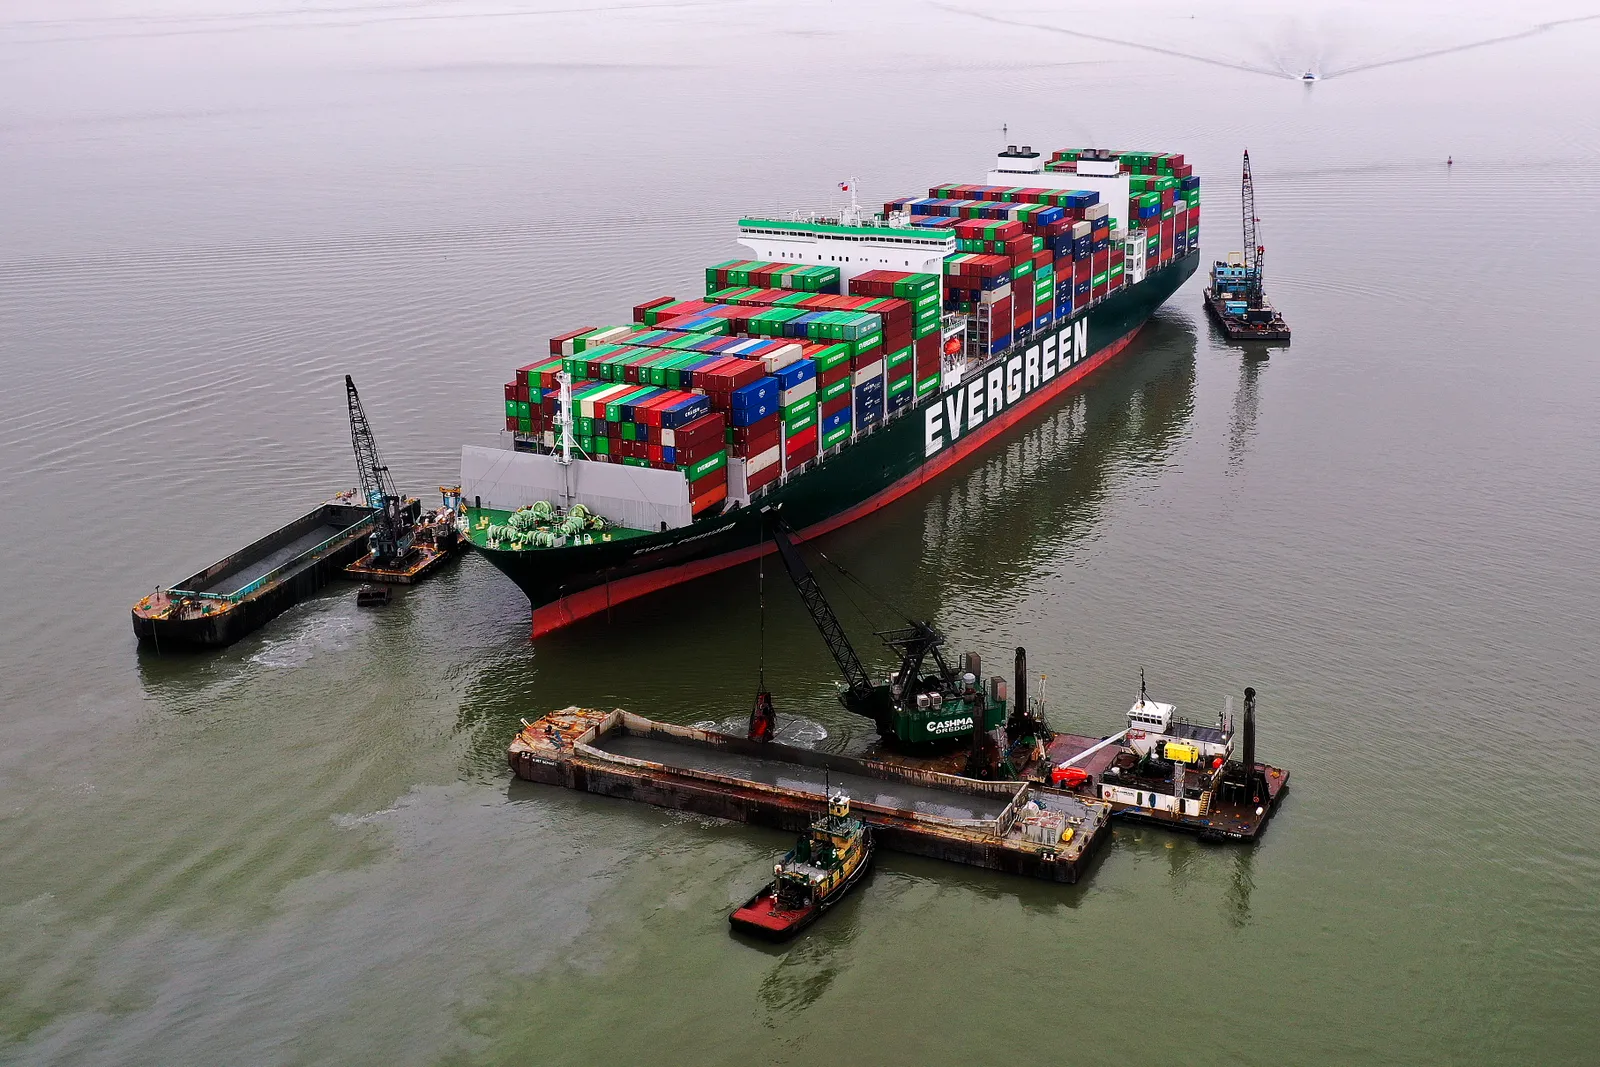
(776, 366)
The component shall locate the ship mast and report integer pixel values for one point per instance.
(564, 422)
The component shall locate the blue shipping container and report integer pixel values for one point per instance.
(763, 391)
(836, 420)
(796, 373)
(749, 416)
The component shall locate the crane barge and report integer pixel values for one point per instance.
(1236, 299)
(404, 545)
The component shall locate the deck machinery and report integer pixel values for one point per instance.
(925, 703)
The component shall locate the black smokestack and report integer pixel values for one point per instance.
(1019, 698)
(1249, 733)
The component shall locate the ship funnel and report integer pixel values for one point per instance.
(1249, 757)
(1021, 673)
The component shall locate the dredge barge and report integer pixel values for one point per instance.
(1016, 827)
(241, 592)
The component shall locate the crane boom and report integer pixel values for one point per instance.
(859, 692)
(1254, 253)
(391, 532)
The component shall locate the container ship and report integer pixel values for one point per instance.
(851, 360)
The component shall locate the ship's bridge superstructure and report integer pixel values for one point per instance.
(1151, 725)
(1097, 170)
(853, 248)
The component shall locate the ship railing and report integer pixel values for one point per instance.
(316, 552)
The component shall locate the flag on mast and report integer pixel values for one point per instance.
(844, 186)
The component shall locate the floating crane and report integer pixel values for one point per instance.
(920, 703)
(395, 527)
(1236, 298)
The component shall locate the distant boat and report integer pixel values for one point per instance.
(1308, 76)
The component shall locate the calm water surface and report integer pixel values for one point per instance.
(306, 849)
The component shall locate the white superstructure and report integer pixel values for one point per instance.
(1026, 168)
(854, 249)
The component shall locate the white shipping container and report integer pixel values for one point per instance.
(1081, 229)
(757, 464)
(994, 296)
(605, 336)
(797, 392)
(669, 438)
(869, 372)
(1097, 211)
(781, 357)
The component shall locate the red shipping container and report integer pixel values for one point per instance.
(730, 374)
(511, 391)
(833, 374)
(756, 445)
(696, 451)
(1000, 313)
(836, 405)
(797, 441)
(511, 423)
(757, 430)
(705, 484)
(762, 478)
(710, 427)
(558, 339)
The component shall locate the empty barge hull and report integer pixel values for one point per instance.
(995, 825)
(241, 592)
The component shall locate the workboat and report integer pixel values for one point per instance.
(1308, 76)
(820, 869)
(1187, 775)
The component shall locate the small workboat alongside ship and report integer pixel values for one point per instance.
(828, 860)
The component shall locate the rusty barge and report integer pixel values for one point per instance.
(1013, 826)
(245, 590)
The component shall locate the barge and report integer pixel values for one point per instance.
(242, 592)
(1015, 827)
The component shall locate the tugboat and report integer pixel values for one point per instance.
(816, 873)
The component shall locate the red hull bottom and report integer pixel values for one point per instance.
(558, 614)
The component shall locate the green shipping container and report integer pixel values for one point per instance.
(831, 357)
(800, 409)
(793, 424)
(899, 385)
(927, 385)
(712, 463)
(894, 359)
(836, 436)
(1098, 279)
(524, 425)
(834, 389)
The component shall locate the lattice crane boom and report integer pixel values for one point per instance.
(1254, 253)
(391, 532)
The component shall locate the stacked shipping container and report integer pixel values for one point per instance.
(775, 366)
